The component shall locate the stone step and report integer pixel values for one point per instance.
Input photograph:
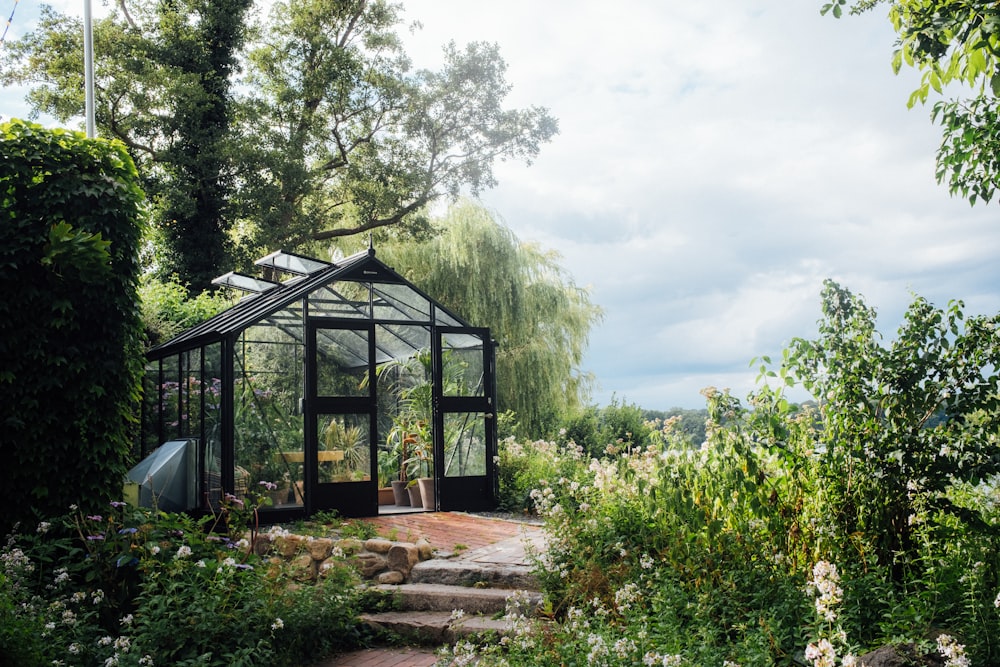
(447, 598)
(435, 627)
(461, 572)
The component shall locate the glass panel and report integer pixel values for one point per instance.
(462, 362)
(464, 444)
(191, 391)
(399, 302)
(150, 409)
(212, 480)
(404, 403)
(170, 396)
(444, 319)
(344, 299)
(267, 426)
(342, 362)
(344, 451)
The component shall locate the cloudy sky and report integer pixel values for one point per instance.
(715, 163)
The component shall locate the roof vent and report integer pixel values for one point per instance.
(291, 263)
(244, 282)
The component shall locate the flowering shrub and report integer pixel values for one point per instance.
(729, 554)
(136, 587)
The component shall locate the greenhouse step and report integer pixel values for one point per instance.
(445, 597)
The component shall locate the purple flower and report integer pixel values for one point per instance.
(95, 517)
(128, 531)
(116, 504)
(95, 538)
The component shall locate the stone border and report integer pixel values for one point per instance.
(381, 560)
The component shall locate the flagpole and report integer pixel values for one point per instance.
(88, 69)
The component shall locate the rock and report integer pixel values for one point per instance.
(900, 655)
(262, 545)
(369, 564)
(288, 545)
(350, 545)
(320, 548)
(302, 568)
(424, 549)
(392, 577)
(378, 545)
(402, 557)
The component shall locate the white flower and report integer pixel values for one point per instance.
(126, 620)
(952, 651)
(278, 624)
(74, 648)
(154, 549)
(200, 563)
(43, 527)
(183, 552)
(996, 602)
(106, 640)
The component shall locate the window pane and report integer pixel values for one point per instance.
(344, 452)
(464, 444)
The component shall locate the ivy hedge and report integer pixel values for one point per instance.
(70, 332)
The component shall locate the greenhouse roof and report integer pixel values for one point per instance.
(313, 278)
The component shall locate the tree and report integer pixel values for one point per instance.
(164, 74)
(540, 318)
(903, 424)
(952, 42)
(327, 134)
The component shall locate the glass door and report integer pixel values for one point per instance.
(340, 412)
(465, 419)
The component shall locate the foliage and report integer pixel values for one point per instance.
(70, 345)
(168, 307)
(783, 539)
(883, 467)
(327, 132)
(140, 587)
(690, 423)
(952, 42)
(608, 429)
(540, 318)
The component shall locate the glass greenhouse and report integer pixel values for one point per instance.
(335, 381)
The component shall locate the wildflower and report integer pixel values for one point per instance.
(69, 618)
(95, 517)
(278, 624)
(821, 654)
(154, 549)
(200, 563)
(183, 552)
(850, 660)
(62, 575)
(106, 640)
(146, 661)
(126, 620)
(116, 504)
(112, 661)
(268, 486)
(123, 644)
(825, 581)
(457, 614)
(952, 652)
(43, 527)
(98, 596)
(996, 602)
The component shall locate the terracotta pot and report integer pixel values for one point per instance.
(399, 493)
(426, 485)
(414, 490)
(386, 496)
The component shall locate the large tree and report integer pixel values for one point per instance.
(326, 133)
(164, 87)
(539, 316)
(953, 43)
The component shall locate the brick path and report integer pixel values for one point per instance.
(385, 657)
(445, 530)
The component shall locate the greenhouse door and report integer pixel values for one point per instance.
(340, 410)
(465, 419)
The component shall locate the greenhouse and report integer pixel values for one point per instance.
(341, 385)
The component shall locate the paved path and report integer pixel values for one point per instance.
(385, 657)
(485, 540)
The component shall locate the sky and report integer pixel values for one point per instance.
(716, 162)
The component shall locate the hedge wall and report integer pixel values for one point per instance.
(70, 333)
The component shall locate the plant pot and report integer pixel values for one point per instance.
(386, 496)
(426, 486)
(414, 490)
(399, 493)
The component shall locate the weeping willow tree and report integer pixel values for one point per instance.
(541, 319)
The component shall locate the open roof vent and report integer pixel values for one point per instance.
(288, 262)
(244, 282)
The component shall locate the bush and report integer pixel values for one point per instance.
(137, 587)
(70, 336)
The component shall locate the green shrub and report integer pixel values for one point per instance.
(70, 336)
(134, 587)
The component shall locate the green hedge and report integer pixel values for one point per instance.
(70, 333)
